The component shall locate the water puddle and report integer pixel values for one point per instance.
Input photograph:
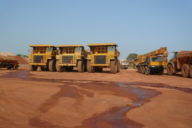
(116, 117)
(160, 85)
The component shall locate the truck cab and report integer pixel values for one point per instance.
(42, 57)
(103, 55)
(70, 57)
(153, 62)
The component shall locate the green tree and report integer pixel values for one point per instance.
(132, 56)
(21, 55)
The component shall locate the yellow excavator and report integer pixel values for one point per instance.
(153, 62)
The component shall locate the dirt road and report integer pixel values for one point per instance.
(94, 100)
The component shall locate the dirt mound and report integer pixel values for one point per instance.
(6, 54)
(21, 60)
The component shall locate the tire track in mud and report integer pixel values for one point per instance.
(115, 117)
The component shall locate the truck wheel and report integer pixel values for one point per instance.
(139, 69)
(170, 69)
(80, 66)
(51, 65)
(185, 70)
(9, 68)
(58, 67)
(90, 68)
(190, 71)
(143, 69)
(113, 66)
(15, 67)
(118, 67)
(147, 70)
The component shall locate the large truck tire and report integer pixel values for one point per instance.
(142, 69)
(139, 69)
(113, 66)
(185, 70)
(190, 71)
(90, 68)
(80, 66)
(118, 67)
(58, 67)
(51, 66)
(147, 70)
(170, 69)
(15, 67)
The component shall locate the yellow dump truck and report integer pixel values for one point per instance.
(153, 62)
(181, 62)
(70, 57)
(43, 57)
(103, 55)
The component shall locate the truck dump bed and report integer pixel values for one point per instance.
(8, 62)
(184, 54)
(8, 59)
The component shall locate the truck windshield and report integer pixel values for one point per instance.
(49, 49)
(67, 50)
(39, 49)
(157, 59)
(100, 49)
(78, 49)
(111, 48)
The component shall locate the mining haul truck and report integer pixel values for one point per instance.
(153, 62)
(43, 57)
(8, 62)
(70, 57)
(103, 55)
(181, 62)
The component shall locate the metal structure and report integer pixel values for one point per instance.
(153, 62)
(8, 62)
(70, 56)
(42, 57)
(103, 55)
(181, 62)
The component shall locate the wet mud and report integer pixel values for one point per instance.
(114, 118)
(160, 85)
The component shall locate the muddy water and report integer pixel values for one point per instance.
(114, 118)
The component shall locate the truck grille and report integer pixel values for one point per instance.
(38, 59)
(100, 59)
(67, 59)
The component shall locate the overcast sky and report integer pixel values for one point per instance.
(137, 26)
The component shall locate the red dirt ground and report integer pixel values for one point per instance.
(94, 100)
